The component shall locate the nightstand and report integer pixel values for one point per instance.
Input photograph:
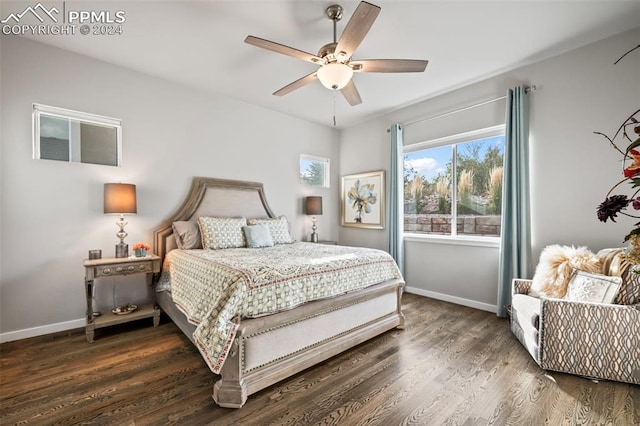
(109, 267)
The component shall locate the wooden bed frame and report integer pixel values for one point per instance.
(272, 348)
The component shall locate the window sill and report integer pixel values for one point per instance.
(458, 240)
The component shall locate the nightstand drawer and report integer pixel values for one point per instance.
(133, 268)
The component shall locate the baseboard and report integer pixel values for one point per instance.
(453, 299)
(42, 330)
(79, 323)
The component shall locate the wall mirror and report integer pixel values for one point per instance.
(314, 170)
(72, 136)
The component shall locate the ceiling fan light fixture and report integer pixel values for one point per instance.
(335, 58)
(334, 76)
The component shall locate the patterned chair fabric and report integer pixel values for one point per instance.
(587, 339)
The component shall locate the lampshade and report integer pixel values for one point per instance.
(313, 205)
(120, 198)
(335, 75)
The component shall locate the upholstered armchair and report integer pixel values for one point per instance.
(595, 340)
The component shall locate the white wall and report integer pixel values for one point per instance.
(577, 93)
(52, 211)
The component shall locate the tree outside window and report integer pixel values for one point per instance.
(314, 171)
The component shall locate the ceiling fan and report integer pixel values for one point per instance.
(336, 65)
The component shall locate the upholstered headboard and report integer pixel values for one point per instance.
(213, 197)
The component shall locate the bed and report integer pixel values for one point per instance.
(263, 349)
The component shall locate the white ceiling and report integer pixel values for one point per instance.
(201, 44)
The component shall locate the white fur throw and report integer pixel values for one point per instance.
(555, 267)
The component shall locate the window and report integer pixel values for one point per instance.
(434, 199)
(314, 171)
(73, 136)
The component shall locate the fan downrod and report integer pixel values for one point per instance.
(334, 12)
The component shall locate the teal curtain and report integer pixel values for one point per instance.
(396, 192)
(515, 244)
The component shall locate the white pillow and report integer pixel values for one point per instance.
(589, 287)
(557, 263)
(258, 235)
(279, 227)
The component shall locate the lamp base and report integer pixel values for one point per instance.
(314, 227)
(122, 250)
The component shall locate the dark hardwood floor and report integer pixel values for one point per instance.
(451, 365)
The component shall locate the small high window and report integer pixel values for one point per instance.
(314, 171)
(73, 136)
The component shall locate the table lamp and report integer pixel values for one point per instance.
(313, 206)
(120, 198)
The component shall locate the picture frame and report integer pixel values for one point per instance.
(363, 200)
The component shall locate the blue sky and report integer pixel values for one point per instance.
(431, 162)
(305, 164)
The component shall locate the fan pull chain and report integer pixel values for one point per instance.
(334, 108)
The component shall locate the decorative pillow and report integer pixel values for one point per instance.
(555, 267)
(615, 263)
(279, 228)
(612, 261)
(258, 235)
(588, 287)
(629, 293)
(187, 234)
(222, 232)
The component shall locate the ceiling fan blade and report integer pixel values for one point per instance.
(389, 65)
(281, 48)
(357, 28)
(351, 94)
(296, 84)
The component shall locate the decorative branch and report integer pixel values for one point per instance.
(618, 203)
(613, 145)
(629, 121)
(619, 59)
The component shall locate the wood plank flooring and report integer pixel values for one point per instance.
(452, 365)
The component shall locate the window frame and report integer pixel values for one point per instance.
(313, 158)
(453, 140)
(80, 118)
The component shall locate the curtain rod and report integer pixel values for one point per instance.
(527, 89)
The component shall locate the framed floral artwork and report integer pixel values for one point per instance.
(363, 200)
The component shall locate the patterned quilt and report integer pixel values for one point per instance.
(215, 289)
